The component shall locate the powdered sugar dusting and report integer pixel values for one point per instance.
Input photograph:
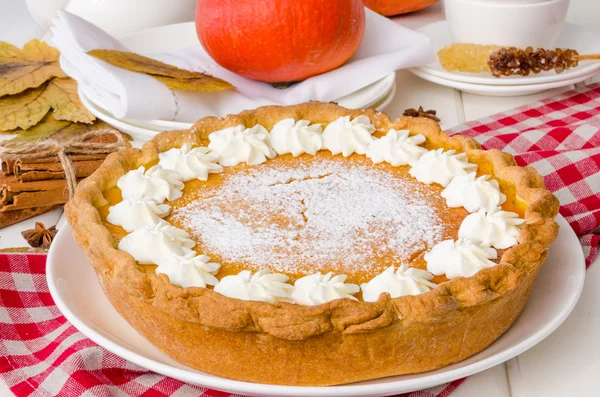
(314, 216)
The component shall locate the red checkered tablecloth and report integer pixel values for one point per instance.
(43, 355)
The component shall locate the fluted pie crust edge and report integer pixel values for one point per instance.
(338, 342)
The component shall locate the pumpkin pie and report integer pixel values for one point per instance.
(315, 245)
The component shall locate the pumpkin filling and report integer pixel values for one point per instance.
(312, 214)
(308, 214)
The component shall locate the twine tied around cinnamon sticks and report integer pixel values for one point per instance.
(78, 145)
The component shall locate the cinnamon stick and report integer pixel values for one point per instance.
(15, 195)
(8, 166)
(8, 218)
(51, 168)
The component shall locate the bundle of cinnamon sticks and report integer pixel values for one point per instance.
(31, 185)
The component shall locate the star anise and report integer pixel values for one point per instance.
(430, 114)
(40, 236)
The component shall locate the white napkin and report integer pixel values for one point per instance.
(386, 47)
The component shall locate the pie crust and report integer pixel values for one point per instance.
(338, 342)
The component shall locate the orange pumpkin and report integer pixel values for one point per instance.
(280, 40)
(395, 7)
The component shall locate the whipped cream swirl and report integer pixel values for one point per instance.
(132, 214)
(473, 193)
(346, 137)
(460, 258)
(496, 228)
(189, 270)
(396, 148)
(317, 288)
(404, 281)
(156, 183)
(235, 145)
(296, 137)
(260, 286)
(155, 244)
(190, 163)
(437, 166)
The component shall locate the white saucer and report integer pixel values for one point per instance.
(573, 36)
(500, 90)
(78, 295)
(170, 38)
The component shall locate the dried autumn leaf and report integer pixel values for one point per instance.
(169, 75)
(62, 96)
(187, 84)
(57, 129)
(47, 127)
(23, 110)
(30, 67)
(28, 108)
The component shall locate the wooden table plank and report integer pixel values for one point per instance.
(412, 92)
(490, 383)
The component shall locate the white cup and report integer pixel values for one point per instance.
(117, 17)
(510, 23)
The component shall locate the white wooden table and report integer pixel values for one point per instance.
(565, 364)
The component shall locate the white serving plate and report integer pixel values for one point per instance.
(501, 90)
(174, 37)
(573, 36)
(78, 295)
